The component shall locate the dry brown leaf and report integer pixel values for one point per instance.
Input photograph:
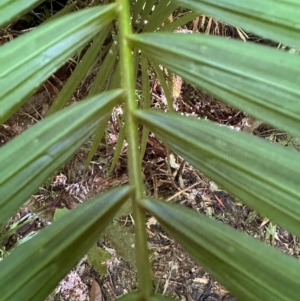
(95, 292)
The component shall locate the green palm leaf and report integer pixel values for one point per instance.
(81, 70)
(13, 9)
(274, 19)
(262, 175)
(35, 154)
(234, 71)
(247, 267)
(32, 270)
(28, 61)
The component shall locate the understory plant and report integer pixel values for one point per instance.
(259, 80)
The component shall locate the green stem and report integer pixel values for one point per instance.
(134, 167)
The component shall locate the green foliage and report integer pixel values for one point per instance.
(225, 155)
(122, 241)
(12, 9)
(97, 257)
(37, 153)
(60, 212)
(261, 81)
(236, 255)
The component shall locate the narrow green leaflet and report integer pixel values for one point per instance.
(160, 14)
(247, 267)
(13, 9)
(105, 69)
(262, 175)
(81, 70)
(28, 61)
(29, 159)
(114, 79)
(137, 8)
(99, 133)
(259, 80)
(33, 269)
(64, 11)
(118, 148)
(274, 19)
(179, 22)
(163, 82)
(145, 103)
(148, 7)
